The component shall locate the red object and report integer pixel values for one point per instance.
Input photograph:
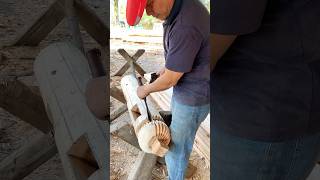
(134, 11)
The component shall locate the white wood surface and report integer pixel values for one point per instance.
(63, 72)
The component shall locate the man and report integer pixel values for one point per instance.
(265, 89)
(186, 45)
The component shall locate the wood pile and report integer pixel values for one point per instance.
(202, 140)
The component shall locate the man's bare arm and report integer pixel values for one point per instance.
(219, 45)
(166, 80)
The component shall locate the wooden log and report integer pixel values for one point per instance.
(145, 160)
(38, 30)
(98, 30)
(153, 136)
(19, 100)
(25, 160)
(63, 72)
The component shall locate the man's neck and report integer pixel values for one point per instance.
(170, 6)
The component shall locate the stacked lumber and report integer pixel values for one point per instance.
(202, 140)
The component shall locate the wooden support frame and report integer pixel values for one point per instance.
(46, 22)
(117, 94)
(19, 100)
(129, 58)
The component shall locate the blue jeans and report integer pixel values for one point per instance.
(185, 122)
(235, 158)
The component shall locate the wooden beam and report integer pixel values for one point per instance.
(118, 123)
(92, 23)
(117, 94)
(134, 58)
(143, 166)
(19, 100)
(118, 112)
(42, 26)
(62, 72)
(25, 160)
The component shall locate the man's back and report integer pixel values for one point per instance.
(267, 84)
(186, 44)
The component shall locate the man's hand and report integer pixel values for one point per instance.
(142, 92)
(166, 80)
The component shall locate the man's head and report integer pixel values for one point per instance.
(159, 9)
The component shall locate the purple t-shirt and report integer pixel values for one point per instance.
(187, 50)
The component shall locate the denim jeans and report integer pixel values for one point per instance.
(235, 158)
(185, 122)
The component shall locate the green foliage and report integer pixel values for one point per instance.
(147, 21)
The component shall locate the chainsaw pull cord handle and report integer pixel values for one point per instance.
(145, 99)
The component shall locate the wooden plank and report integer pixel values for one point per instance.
(127, 134)
(25, 160)
(120, 122)
(117, 94)
(38, 30)
(63, 72)
(92, 23)
(127, 57)
(19, 100)
(145, 160)
(118, 112)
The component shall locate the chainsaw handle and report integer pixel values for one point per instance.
(139, 81)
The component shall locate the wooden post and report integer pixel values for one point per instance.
(63, 72)
(73, 23)
(92, 23)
